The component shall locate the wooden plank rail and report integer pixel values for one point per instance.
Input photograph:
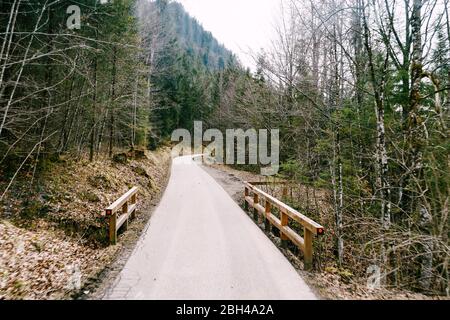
(126, 206)
(253, 197)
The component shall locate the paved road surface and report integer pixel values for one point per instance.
(199, 244)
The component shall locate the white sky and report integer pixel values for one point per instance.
(243, 26)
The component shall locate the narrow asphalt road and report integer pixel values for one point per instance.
(199, 244)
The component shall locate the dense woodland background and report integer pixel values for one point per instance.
(359, 89)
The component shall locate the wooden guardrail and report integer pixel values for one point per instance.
(126, 206)
(263, 203)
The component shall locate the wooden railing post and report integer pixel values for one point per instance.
(246, 194)
(133, 201)
(268, 213)
(285, 193)
(255, 210)
(112, 228)
(308, 236)
(284, 223)
(125, 211)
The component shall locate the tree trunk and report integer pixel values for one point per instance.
(113, 97)
(94, 116)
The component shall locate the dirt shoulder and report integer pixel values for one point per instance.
(330, 283)
(53, 234)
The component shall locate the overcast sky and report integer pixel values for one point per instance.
(243, 26)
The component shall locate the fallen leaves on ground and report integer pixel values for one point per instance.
(46, 246)
(42, 265)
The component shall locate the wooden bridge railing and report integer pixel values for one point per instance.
(263, 203)
(126, 205)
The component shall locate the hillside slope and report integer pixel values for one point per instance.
(53, 236)
(197, 41)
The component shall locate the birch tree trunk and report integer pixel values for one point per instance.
(417, 140)
(383, 187)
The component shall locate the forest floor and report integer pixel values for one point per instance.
(330, 282)
(53, 235)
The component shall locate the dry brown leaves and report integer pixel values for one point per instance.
(41, 265)
(39, 258)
